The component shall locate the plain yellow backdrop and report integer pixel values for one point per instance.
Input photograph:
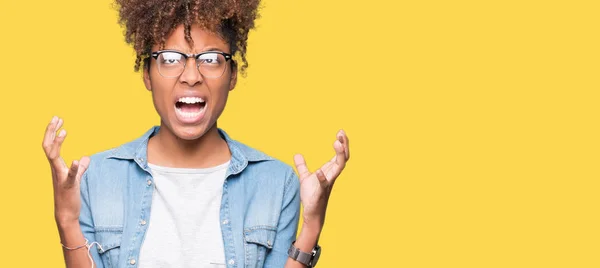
(474, 125)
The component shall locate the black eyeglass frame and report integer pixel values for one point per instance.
(227, 57)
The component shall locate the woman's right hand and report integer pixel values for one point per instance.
(65, 180)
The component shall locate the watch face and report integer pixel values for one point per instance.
(316, 254)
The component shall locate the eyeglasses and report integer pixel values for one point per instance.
(171, 63)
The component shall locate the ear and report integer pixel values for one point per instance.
(233, 80)
(147, 81)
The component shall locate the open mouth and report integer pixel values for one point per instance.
(190, 108)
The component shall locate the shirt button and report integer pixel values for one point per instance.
(269, 243)
(231, 262)
(149, 182)
(225, 222)
(132, 262)
(143, 222)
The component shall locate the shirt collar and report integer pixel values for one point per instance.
(241, 154)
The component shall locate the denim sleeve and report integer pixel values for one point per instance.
(86, 222)
(288, 223)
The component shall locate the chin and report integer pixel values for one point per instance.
(190, 133)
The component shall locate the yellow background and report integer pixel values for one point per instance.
(474, 125)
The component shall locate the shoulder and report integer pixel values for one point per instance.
(110, 159)
(113, 166)
(264, 169)
(100, 159)
(118, 156)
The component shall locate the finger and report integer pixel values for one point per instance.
(341, 140)
(329, 164)
(49, 135)
(346, 142)
(322, 179)
(333, 173)
(334, 167)
(84, 163)
(340, 154)
(59, 124)
(54, 155)
(301, 166)
(71, 177)
(325, 167)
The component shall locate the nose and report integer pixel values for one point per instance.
(191, 75)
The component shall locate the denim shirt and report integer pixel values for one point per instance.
(259, 208)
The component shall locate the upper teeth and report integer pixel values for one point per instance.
(191, 100)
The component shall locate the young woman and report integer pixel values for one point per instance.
(185, 194)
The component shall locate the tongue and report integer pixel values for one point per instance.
(189, 108)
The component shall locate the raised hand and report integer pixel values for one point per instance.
(316, 187)
(65, 180)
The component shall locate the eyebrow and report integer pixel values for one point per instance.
(175, 48)
(211, 49)
(206, 49)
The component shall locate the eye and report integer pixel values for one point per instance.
(169, 58)
(209, 59)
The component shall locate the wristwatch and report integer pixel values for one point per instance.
(308, 259)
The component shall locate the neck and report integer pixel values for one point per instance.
(166, 149)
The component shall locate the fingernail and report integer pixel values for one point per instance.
(54, 118)
(62, 133)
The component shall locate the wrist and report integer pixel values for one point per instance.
(312, 225)
(68, 226)
(70, 235)
(308, 238)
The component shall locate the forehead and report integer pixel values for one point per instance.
(202, 38)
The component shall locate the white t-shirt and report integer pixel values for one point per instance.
(184, 229)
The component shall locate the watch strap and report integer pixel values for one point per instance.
(299, 256)
(304, 258)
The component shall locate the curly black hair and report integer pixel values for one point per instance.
(149, 22)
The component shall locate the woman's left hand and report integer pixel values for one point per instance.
(315, 187)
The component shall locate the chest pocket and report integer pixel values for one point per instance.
(258, 242)
(110, 244)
